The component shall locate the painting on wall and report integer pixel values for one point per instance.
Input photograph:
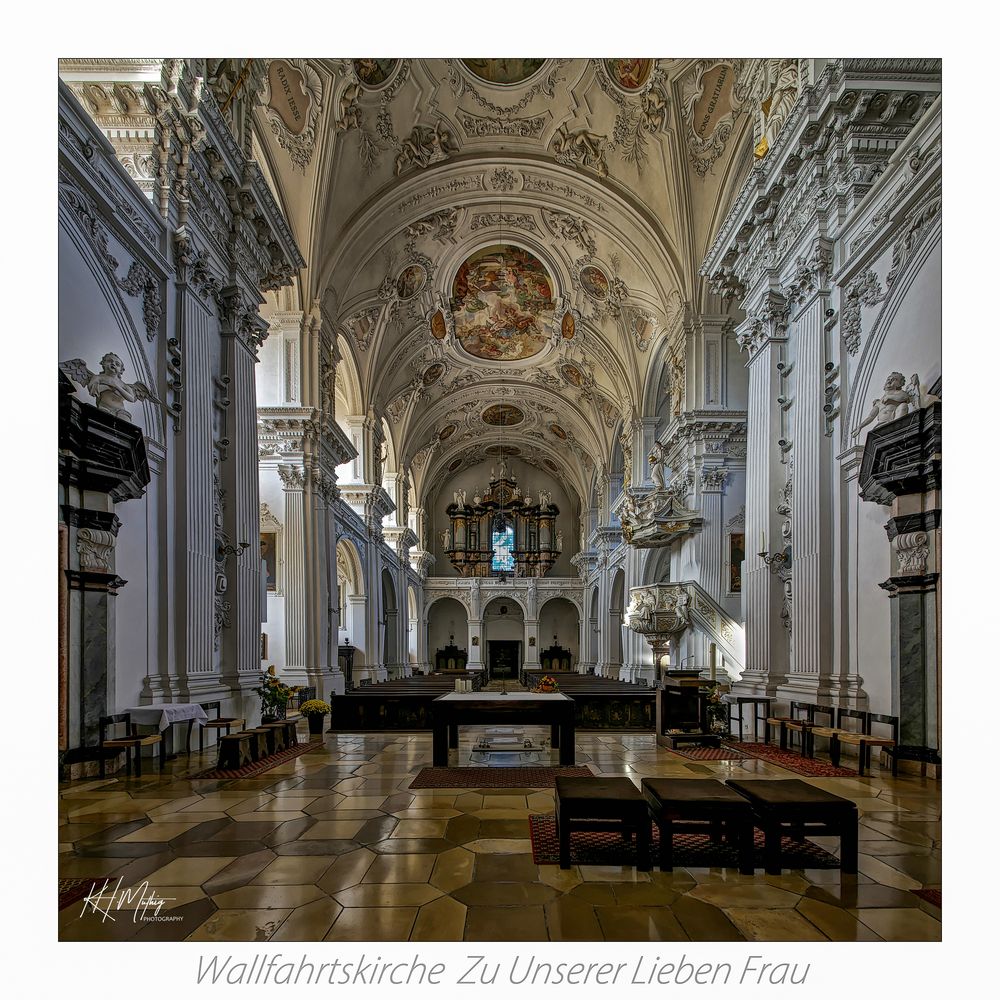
(373, 73)
(629, 74)
(503, 72)
(503, 304)
(269, 558)
(502, 415)
(411, 279)
(737, 552)
(595, 282)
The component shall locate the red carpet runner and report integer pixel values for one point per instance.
(260, 766)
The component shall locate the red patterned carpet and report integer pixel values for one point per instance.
(260, 766)
(932, 896)
(791, 761)
(72, 890)
(495, 777)
(709, 753)
(691, 850)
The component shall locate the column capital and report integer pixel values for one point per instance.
(293, 478)
(766, 321)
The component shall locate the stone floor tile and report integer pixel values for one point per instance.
(494, 923)
(347, 870)
(442, 919)
(762, 924)
(907, 924)
(835, 922)
(290, 870)
(390, 894)
(639, 923)
(188, 871)
(373, 923)
(401, 868)
(572, 919)
(703, 922)
(452, 869)
(240, 925)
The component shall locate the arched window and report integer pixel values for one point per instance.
(503, 546)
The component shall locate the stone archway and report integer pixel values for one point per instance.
(559, 625)
(503, 638)
(616, 610)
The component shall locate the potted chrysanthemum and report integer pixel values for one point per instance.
(274, 696)
(314, 710)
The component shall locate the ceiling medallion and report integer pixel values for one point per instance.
(629, 75)
(595, 282)
(455, 464)
(374, 74)
(503, 304)
(503, 72)
(447, 431)
(549, 464)
(439, 329)
(558, 431)
(433, 373)
(568, 326)
(503, 450)
(502, 415)
(411, 279)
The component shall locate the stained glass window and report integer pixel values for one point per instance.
(503, 547)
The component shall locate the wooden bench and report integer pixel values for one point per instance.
(131, 742)
(258, 742)
(276, 738)
(795, 807)
(865, 740)
(700, 805)
(228, 723)
(235, 751)
(602, 803)
(784, 723)
(834, 733)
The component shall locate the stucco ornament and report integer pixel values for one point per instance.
(898, 398)
(661, 609)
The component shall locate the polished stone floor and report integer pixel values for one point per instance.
(334, 846)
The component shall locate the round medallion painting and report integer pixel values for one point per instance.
(573, 375)
(594, 281)
(447, 431)
(433, 373)
(502, 303)
(411, 279)
(502, 415)
(629, 74)
(439, 329)
(373, 73)
(503, 72)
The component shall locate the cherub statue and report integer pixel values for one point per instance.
(107, 387)
(895, 401)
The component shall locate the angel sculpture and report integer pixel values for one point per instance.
(896, 401)
(107, 386)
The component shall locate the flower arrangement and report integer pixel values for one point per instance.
(547, 683)
(274, 694)
(717, 711)
(314, 707)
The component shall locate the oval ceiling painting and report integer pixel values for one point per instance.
(568, 326)
(374, 73)
(411, 279)
(595, 282)
(502, 415)
(447, 431)
(433, 373)
(629, 74)
(503, 450)
(549, 464)
(558, 431)
(438, 328)
(454, 465)
(502, 303)
(503, 72)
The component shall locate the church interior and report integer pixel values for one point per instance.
(500, 499)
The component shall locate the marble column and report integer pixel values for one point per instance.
(711, 538)
(293, 483)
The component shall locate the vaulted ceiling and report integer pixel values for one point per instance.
(514, 231)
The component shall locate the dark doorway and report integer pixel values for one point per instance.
(504, 658)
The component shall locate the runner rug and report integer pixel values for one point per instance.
(72, 890)
(259, 766)
(691, 850)
(933, 896)
(808, 766)
(495, 777)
